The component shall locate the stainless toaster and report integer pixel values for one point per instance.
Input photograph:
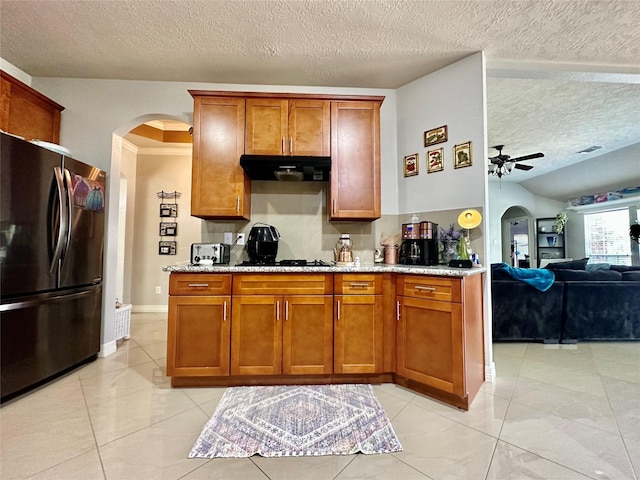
(208, 253)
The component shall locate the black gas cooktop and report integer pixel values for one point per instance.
(285, 263)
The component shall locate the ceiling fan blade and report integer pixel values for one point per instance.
(520, 166)
(527, 157)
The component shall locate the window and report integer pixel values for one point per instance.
(607, 237)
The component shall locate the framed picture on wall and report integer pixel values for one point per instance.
(167, 248)
(435, 160)
(437, 135)
(168, 229)
(168, 209)
(411, 165)
(462, 155)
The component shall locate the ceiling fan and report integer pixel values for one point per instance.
(502, 164)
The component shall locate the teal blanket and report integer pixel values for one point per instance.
(539, 278)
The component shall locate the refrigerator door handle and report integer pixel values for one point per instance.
(68, 214)
(59, 246)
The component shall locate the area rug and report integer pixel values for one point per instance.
(283, 421)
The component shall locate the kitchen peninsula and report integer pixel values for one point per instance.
(420, 327)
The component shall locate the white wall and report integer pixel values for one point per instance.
(452, 96)
(166, 170)
(502, 196)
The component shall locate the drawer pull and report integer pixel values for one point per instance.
(199, 285)
(358, 285)
(429, 289)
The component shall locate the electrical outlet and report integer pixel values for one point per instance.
(228, 238)
(158, 290)
(240, 239)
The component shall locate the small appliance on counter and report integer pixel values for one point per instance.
(262, 244)
(419, 244)
(210, 253)
(343, 251)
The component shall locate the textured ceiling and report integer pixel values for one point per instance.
(365, 43)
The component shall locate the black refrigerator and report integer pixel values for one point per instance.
(51, 253)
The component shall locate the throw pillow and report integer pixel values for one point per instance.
(598, 266)
(572, 265)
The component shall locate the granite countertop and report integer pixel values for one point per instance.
(441, 270)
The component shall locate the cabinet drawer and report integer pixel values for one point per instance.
(444, 289)
(282, 284)
(357, 284)
(199, 284)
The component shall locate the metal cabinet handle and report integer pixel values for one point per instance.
(338, 309)
(277, 310)
(398, 311)
(291, 145)
(224, 311)
(283, 151)
(194, 285)
(286, 310)
(334, 205)
(237, 203)
(358, 285)
(420, 287)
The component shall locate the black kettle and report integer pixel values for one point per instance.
(262, 244)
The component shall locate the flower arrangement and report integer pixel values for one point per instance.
(561, 220)
(450, 235)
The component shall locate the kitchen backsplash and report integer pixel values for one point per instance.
(299, 211)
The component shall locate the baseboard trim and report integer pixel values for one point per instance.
(107, 349)
(150, 309)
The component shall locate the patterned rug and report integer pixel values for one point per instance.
(285, 421)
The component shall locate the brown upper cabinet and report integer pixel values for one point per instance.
(219, 186)
(28, 113)
(355, 161)
(229, 124)
(287, 127)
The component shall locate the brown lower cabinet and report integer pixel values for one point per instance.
(306, 328)
(440, 336)
(275, 335)
(199, 326)
(358, 327)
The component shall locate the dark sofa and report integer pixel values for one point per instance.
(580, 305)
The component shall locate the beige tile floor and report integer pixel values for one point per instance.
(570, 412)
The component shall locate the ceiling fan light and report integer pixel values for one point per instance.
(492, 169)
(508, 167)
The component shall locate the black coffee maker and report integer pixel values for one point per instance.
(262, 244)
(419, 244)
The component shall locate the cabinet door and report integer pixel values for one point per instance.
(308, 335)
(309, 128)
(198, 336)
(355, 161)
(358, 328)
(28, 113)
(430, 343)
(266, 126)
(219, 186)
(256, 339)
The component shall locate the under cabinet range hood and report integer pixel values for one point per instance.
(292, 168)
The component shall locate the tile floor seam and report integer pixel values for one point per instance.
(561, 465)
(93, 430)
(395, 455)
(145, 427)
